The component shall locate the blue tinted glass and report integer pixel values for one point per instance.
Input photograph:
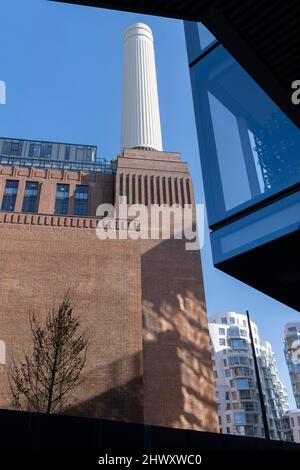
(30, 197)
(198, 38)
(62, 199)
(249, 148)
(10, 195)
(81, 201)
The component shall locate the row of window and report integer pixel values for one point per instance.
(31, 196)
(44, 150)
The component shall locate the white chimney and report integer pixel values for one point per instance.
(140, 113)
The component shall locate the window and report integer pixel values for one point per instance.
(234, 331)
(232, 320)
(62, 199)
(220, 420)
(292, 329)
(227, 396)
(10, 195)
(228, 406)
(239, 344)
(225, 362)
(232, 360)
(222, 342)
(249, 406)
(215, 374)
(245, 394)
(67, 152)
(298, 420)
(228, 430)
(234, 395)
(222, 331)
(40, 150)
(80, 154)
(244, 323)
(12, 147)
(217, 394)
(239, 419)
(243, 332)
(227, 373)
(81, 200)
(30, 197)
(224, 320)
(228, 419)
(292, 422)
(242, 384)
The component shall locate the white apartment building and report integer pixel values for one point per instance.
(291, 423)
(236, 388)
(292, 356)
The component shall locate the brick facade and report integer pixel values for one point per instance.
(141, 301)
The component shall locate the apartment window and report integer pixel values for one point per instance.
(228, 406)
(243, 332)
(232, 384)
(222, 331)
(227, 373)
(292, 329)
(234, 331)
(220, 420)
(81, 200)
(292, 422)
(244, 323)
(223, 320)
(62, 199)
(228, 419)
(225, 362)
(67, 152)
(232, 360)
(217, 394)
(232, 320)
(12, 147)
(30, 197)
(213, 362)
(228, 430)
(239, 419)
(234, 395)
(245, 394)
(215, 374)
(242, 384)
(222, 341)
(10, 195)
(239, 344)
(227, 396)
(249, 406)
(298, 419)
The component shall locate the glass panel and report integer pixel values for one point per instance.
(206, 37)
(249, 148)
(81, 201)
(198, 38)
(62, 199)
(30, 197)
(10, 195)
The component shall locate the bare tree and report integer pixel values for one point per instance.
(43, 380)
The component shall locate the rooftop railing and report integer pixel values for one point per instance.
(101, 165)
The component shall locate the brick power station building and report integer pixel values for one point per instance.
(142, 301)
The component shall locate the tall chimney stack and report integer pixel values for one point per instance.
(140, 113)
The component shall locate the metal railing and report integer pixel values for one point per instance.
(101, 165)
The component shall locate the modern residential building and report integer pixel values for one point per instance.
(234, 374)
(142, 300)
(291, 425)
(292, 356)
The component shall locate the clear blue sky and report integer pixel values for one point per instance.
(62, 65)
